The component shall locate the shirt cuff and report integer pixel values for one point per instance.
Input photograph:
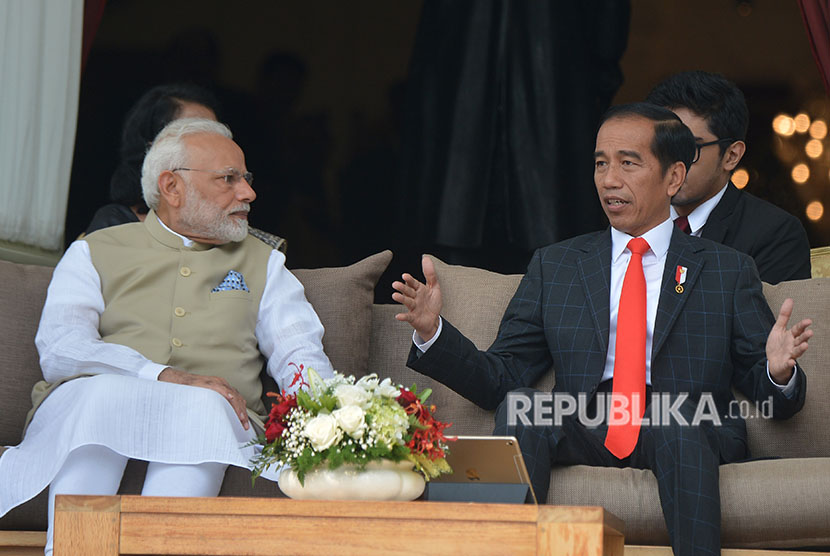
(788, 389)
(151, 371)
(422, 345)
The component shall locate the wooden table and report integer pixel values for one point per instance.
(111, 525)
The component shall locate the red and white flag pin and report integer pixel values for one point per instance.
(680, 278)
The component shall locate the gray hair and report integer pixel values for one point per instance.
(168, 152)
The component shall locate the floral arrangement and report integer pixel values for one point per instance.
(340, 420)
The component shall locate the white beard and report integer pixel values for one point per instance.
(203, 218)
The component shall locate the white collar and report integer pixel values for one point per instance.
(699, 216)
(187, 241)
(658, 239)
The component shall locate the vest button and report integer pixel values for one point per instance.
(185, 271)
(176, 342)
(179, 311)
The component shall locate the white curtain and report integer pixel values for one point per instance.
(40, 71)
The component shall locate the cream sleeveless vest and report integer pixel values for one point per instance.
(159, 300)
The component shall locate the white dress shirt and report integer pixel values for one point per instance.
(699, 216)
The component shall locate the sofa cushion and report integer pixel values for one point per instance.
(20, 307)
(391, 340)
(476, 312)
(475, 301)
(764, 504)
(343, 298)
(806, 434)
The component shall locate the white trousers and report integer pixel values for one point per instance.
(97, 470)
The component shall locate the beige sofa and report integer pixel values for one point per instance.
(767, 503)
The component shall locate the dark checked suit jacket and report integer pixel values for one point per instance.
(707, 339)
(774, 238)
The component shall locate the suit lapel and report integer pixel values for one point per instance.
(683, 251)
(595, 273)
(718, 221)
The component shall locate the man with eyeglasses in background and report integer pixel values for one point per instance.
(154, 333)
(709, 205)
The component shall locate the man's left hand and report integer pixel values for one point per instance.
(785, 346)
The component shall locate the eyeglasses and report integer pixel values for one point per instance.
(232, 176)
(699, 146)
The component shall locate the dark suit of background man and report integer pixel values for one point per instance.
(713, 333)
(715, 110)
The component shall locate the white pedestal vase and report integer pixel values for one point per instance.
(379, 480)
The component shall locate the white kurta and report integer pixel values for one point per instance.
(124, 407)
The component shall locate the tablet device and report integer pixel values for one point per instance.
(484, 460)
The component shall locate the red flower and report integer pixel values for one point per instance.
(280, 410)
(274, 431)
(279, 413)
(406, 398)
(426, 441)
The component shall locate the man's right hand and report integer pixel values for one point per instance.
(423, 301)
(177, 376)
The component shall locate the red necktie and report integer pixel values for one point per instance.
(682, 222)
(629, 382)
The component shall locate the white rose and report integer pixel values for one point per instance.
(368, 382)
(387, 389)
(322, 431)
(348, 394)
(350, 419)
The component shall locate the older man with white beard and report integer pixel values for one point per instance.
(153, 336)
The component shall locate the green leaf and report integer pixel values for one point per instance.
(305, 401)
(328, 402)
(415, 423)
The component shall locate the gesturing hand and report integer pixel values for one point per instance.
(215, 383)
(785, 346)
(423, 301)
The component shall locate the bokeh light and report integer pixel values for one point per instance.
(802, 122)
(740, 178)
(814, 148)
(783, 125)
(815, 210)
(818, 129)
(801, 173)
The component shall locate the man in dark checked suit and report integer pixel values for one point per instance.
(706, 324)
